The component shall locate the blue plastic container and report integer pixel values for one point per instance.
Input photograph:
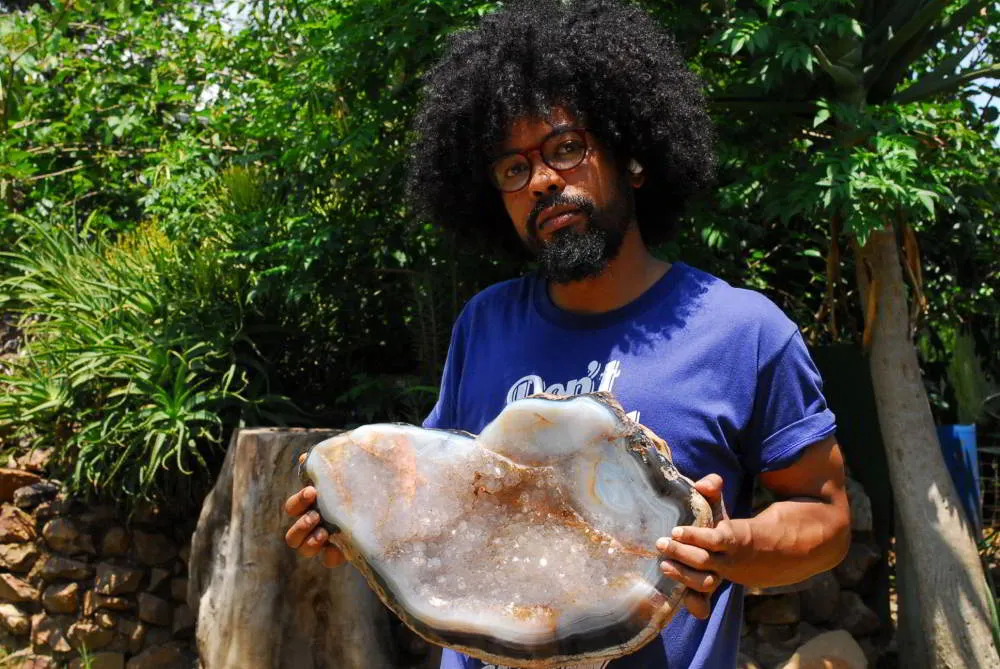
(958, 444)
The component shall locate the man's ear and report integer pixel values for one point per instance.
(636, 173)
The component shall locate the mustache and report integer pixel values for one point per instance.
(577, 201)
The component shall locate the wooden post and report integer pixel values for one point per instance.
(257, 603)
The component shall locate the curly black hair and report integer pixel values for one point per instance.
(608, 63)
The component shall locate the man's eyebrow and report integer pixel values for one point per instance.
(556, 129)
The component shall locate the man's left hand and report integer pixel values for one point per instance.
(701, 557)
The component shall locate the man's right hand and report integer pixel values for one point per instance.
(305, 535)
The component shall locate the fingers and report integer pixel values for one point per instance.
(710, 487)
(332, 557)
(701, 581)
(698, 604)
(712, 539)
(302, 529)
(314, 543)
(692, 556)
(299, 503)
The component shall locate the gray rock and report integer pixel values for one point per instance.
(115, 542)
(135, 632)
(184, 622)
(16, 526)
(64, 536)
(170, 656)
(89, 635)
(18, 557)
(861, 507)
(860, 558)
(50, 632)
(12, 479)
(819, 601)
(154, 610)
(807, 632)
(61, 598)
(106, 620)
(178, 589)
(13, 589)
(777, 610)
(60, 506)
(829, 649)
(775, 633)
(26, 659)
(30, 496)
(153, 548)
(157, 577)
(854, 616)
(769, 654)
(92, 601)
(54, 567)
(116, 580)
(156, 636)
(14, 620)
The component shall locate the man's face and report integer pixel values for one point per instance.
(573, 220)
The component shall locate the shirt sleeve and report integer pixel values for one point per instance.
(790, 412)
(452, 660)
(444, 415)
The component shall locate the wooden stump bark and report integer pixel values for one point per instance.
(258, 604)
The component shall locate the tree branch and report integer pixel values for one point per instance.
(68, 170)
(765, 105)
(934, 84)
(919, 21)
(882, 81)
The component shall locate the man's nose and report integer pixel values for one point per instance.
(544, 180)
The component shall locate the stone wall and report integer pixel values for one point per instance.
(779, 621)
(85, 580)
(77, 578)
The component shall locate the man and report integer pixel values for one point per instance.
(574, 130)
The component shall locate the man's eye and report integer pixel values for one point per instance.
(569, 146)
(514, 170)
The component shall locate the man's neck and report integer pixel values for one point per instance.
(630, 274)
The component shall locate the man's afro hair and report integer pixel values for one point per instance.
(607, 62)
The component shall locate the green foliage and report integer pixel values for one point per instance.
(131, 363)
(203, 204)
(972, 385)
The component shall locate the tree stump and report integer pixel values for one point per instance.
(257, 603)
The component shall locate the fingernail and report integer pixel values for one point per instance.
(676, 532)
(313, 516)
(664, 566)
(663, 543)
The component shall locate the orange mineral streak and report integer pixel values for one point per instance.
(400, 459)
(335, 472)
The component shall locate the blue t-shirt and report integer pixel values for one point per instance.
(719, 372)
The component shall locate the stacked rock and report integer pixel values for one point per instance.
(86, 586)
(824, 618)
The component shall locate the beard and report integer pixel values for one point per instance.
(582, 251)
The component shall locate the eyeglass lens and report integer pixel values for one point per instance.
(562, 151)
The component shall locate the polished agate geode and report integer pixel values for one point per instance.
(531, 545)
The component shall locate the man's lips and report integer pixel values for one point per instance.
(559, 219)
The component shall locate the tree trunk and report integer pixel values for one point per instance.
(952, 597)
(258, 604)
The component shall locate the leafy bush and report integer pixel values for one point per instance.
(132, 366)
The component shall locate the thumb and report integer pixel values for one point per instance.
(710, 487)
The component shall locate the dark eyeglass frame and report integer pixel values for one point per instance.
(557, 132)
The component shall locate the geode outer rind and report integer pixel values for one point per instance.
(540, 508)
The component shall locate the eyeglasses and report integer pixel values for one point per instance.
(562, 150)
